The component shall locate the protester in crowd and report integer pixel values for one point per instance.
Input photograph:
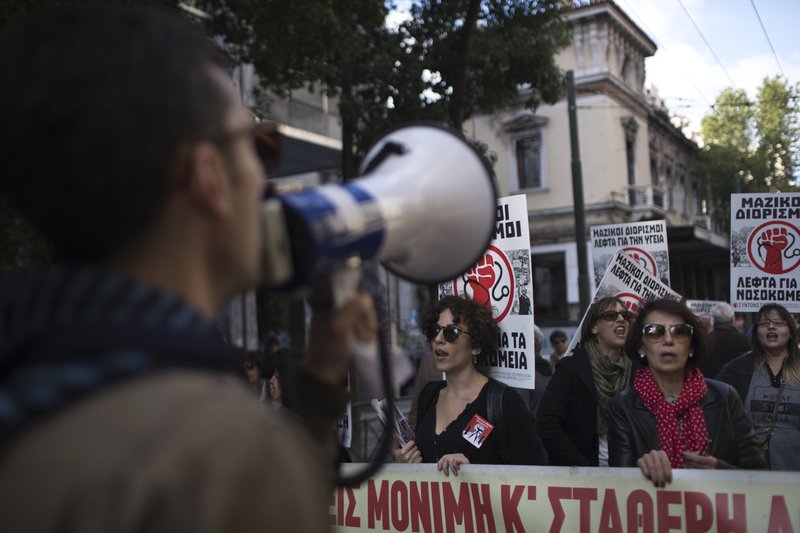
(126, 144)
(573, 413)
(673, 417)
(560, 344)
(726, 341)
(255, 366)
(469, 418)
(768, 381)
(281, 376)
(532, 397)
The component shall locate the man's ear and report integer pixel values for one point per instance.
(207, 179)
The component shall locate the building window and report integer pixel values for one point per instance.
(550, 289)
(525, 134)
(630, 127)
(670, 190)
(529, 161)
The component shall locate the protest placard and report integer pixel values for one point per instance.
(625, 279)
(702, 307)
(765, 250)
(501, 280)
(644, 242)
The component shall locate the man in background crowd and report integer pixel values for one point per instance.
(727, 342)
(560, 344)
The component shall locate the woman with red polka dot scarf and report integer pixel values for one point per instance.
(673, 417)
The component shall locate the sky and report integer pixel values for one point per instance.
(705, 46)
(718, 44)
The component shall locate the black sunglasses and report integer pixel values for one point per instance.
(611, 316)
(655, 332)
(451, 332)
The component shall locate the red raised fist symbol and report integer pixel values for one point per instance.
(774, 241)
(481, 278)
(639, 259)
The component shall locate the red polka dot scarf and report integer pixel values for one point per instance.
(694, 436)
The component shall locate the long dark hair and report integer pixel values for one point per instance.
(791, 367)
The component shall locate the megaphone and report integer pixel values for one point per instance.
(424, 206)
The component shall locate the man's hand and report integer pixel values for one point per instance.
(656, 467)
(451, 463)
(333, 334)
(408, 453)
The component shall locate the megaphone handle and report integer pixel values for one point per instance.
(343, 286)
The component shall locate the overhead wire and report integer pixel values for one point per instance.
(707, 43)
(769, 41)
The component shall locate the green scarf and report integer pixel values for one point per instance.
(610, 377)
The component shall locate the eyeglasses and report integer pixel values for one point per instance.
(266, 140)
(765, 322)
(654, 332)
(451, 332)
(611, 316)
(249, 366)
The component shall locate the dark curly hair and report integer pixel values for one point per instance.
(699, 338)
(477, 319)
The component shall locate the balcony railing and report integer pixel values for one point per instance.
(645, 196)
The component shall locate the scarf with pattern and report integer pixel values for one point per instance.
(610, 377)
(673, 440)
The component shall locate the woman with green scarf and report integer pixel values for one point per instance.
(573, 414)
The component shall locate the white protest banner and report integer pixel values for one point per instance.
(644, 242)
(627, 280)
(501, 280)
(765, 250)
(490, 498)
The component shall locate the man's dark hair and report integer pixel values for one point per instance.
(97, 102)
(557, 334)
(699, 338)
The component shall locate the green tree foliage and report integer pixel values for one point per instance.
(750, 146)
(448, 61)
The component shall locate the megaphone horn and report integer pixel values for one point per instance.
(424, 207)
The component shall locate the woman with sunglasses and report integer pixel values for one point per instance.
(768, 381)
(455, 424)
(573, 411)
(674, 417)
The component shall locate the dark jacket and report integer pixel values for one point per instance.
(739, 373)
(567, 416)
(727, 343)
(632, 429)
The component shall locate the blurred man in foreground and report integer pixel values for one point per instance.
(125, 142)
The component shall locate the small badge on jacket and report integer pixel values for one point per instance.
(477, 431)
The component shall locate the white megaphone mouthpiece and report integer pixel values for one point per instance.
(424, 207)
